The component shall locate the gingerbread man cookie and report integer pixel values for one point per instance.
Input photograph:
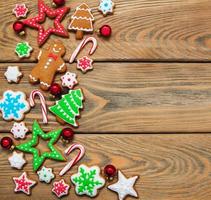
(50, 62)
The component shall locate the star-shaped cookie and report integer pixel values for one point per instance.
(37, 22)
(124, 186)
(16, 160)
(23, 184)
(45, 174)
(30, 146)
(13, 74)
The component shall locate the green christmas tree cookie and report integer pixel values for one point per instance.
(87, 180)
(68, 107)
(30, 146)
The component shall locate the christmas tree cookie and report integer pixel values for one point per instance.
(67, 108)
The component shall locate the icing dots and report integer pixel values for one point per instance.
(19, 130)
(60, 188)
(84, 64)
(69, 80)
(20, 10)
(46, 174)
(23, 50)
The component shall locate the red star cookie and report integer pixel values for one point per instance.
(60, 188)
(45, 11)
(23, 184)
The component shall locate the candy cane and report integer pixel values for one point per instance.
(81, 46)
(75, 160)
(43, 104)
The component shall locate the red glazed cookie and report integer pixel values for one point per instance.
(50, 62)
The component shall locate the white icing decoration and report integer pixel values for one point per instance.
(124, 186)
(45, 175)
(13, 74)
(16, 160)
(69, 80)
(19, 130)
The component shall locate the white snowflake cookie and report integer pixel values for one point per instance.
(20, 10)
(69, 80)
(88, 180)
(46, 174)
(16, 160)
(19, 130)
(124, 186)
(13, 74)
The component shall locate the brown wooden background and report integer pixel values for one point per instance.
(148, 100)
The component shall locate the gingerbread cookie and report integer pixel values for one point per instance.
(13, 105)
(82, 21)
(50, 62)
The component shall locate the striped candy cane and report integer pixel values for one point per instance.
(75, 160)
(43, 104)
(81, 46)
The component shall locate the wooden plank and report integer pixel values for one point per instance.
(142, 30)
(173, 167)
(134, 97)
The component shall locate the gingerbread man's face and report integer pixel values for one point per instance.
(57, 48)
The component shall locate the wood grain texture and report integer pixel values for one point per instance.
(134, 97)
(171, 167)
(142, 30)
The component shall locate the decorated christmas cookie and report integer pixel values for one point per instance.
(84, 64)
(82, 21)
(60, 188)
(46, 175)
(20, 10)
(19, 130)
(87, 181)
(69, 80)
(13, 74)
(23, 184)
(30, 146)
(50, 62)
(106, 7)
(16, 160)
(23, 49)
(67, 108)
(124, 186)
(37, 22)
(13, 105)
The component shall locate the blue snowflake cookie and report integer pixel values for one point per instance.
(106, 7)
(13, 105)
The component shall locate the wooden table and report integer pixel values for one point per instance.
(148, 100)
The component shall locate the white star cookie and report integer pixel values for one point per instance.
(16, 160)
(19, 130)
(13, 74)
(124, 186)
(69, 80)
(45, 175)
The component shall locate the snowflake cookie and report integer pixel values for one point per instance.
(60, 188)
(87, 180)
(106, 7)
(124, 186)
(19, 130)
(23, 184)
(20, 10)
(84, 64)
(45, 175)
(69, 80)
(13, 74)
(13, 105)
(16, 160)
(23, 49)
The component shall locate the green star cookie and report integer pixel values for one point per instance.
(30, 146)
(23, 49)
